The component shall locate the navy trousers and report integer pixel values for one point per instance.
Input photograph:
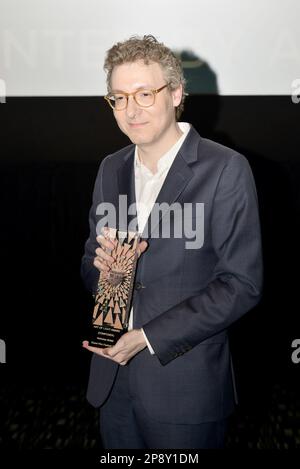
(124, 424)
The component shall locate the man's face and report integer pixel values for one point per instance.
(145, 126)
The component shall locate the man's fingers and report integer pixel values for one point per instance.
(118, 352)
(97, 350)
(118, 357)
(111, 352)
(103, 260)
(142, 246)
(100, 265)
(109, 244)
(105, 242)
(103, 352)
(104, 255)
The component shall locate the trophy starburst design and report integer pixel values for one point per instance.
(112, 302)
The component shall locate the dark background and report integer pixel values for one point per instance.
(50, 152)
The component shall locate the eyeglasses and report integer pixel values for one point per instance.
(143, 98)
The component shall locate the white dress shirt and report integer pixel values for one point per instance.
(148, 186)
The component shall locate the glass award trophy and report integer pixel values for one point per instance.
(114, 292)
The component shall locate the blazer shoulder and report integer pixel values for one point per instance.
(230, 167)
(116, 159)
(220, 154)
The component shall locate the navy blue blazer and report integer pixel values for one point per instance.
(190, 296)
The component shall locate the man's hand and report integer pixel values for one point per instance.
(103, 259)
(127, 347)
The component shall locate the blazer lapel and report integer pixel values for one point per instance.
(126, 207)
(176, 180)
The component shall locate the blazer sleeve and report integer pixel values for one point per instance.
(89, 273)
(237, 278)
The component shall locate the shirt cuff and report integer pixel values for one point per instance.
(148, 343)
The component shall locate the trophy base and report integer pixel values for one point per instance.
(105, 336)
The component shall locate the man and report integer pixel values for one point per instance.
(167, 383)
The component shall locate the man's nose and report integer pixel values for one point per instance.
(132, 107)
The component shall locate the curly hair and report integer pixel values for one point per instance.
(148, 49)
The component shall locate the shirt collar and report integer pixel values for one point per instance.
(167, 159)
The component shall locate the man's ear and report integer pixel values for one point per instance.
(177, 96)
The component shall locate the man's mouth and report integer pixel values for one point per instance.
(136, 125)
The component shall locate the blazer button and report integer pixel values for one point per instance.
(139, 286)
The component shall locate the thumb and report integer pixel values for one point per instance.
(142, 247)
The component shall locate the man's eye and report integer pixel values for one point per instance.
(118, 98)
(145, 94)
